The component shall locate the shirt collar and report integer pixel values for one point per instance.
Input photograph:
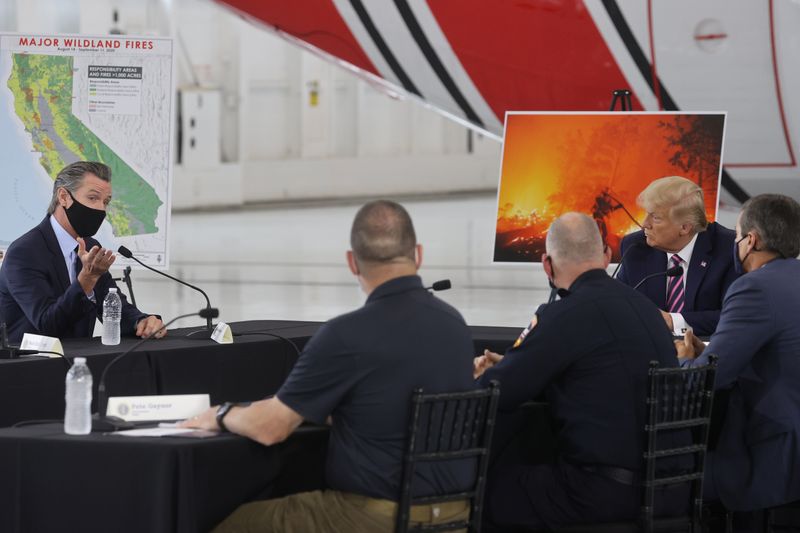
(588, 276)
(66, 242)
(394, 286)
(685, 252)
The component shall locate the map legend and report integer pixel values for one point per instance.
(115, 89)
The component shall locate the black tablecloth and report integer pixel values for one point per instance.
(52, 482)
(253, 367)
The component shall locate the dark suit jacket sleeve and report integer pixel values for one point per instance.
(705, 322)
(526, 370)
(31, 288)
(130, 314)
(744, 327)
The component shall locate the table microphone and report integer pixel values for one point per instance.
(441, 285)
(101, 422)
(202, 334)
(677, 270)
(637, 244)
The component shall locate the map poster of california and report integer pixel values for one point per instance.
(71, 98)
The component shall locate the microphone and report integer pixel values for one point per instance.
(677, 270)
(202, 334)
(637, 244)
(101, 422)
(441, 285)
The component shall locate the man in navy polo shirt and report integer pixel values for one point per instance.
(359, 371)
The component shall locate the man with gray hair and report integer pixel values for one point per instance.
(358, 372)
(757, 458)
(588, 353)
(676, 233)
(55, 277)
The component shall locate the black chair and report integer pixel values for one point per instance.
(448, 427)
(678, 400)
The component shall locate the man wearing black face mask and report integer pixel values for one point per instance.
(588, 353)
(55, 277)
(756, 461)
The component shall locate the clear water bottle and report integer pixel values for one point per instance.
(112, 314)
(78, 415)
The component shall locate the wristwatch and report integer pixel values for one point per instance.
(222, 411)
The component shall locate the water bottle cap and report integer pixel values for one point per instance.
(79, 360)
(112, 289)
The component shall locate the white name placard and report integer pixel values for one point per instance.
(222, 334)
(166, 407)
(41, 343)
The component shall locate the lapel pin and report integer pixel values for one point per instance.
(703, 264)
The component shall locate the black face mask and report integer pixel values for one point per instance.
(85, 220)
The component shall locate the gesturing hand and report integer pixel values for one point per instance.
(96, 261)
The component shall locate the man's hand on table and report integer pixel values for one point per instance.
(150, 326)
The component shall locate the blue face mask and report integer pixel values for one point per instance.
(737, 262)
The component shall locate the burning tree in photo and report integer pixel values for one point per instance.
(596, 163)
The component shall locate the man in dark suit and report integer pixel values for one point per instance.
(676, 233)
(589, 354)
(757, 458)
(55, 277)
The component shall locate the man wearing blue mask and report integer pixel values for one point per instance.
(55, 277)
(756, 460)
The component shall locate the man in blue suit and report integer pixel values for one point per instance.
(757, 459)
(676, 233)
(55, 277)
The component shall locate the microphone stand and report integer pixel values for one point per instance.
(637, 244)
(200, 334)
(102, 422)
(126, 278)
(671, 273)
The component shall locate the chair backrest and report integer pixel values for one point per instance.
(448, 427)
(678, 400)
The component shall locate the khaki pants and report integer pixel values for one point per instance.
(333, 511)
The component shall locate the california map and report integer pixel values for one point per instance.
(42, 89)
(98, 98)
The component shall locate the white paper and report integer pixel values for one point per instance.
(153, 432)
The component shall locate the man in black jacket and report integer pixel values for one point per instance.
(589, 354)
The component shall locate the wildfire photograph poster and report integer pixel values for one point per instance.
(596, 163)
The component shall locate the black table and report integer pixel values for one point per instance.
(52, 482)
(253, 367)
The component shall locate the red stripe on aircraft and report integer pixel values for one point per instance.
(532, 54)
(316, 22)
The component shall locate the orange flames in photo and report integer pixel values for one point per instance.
(596, 164)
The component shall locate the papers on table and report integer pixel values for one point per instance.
(167, 432)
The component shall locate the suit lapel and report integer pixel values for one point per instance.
(698, 266)
(57, 260)
(656, 287)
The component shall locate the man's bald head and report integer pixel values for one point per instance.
(573, 238)
(383, 233)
